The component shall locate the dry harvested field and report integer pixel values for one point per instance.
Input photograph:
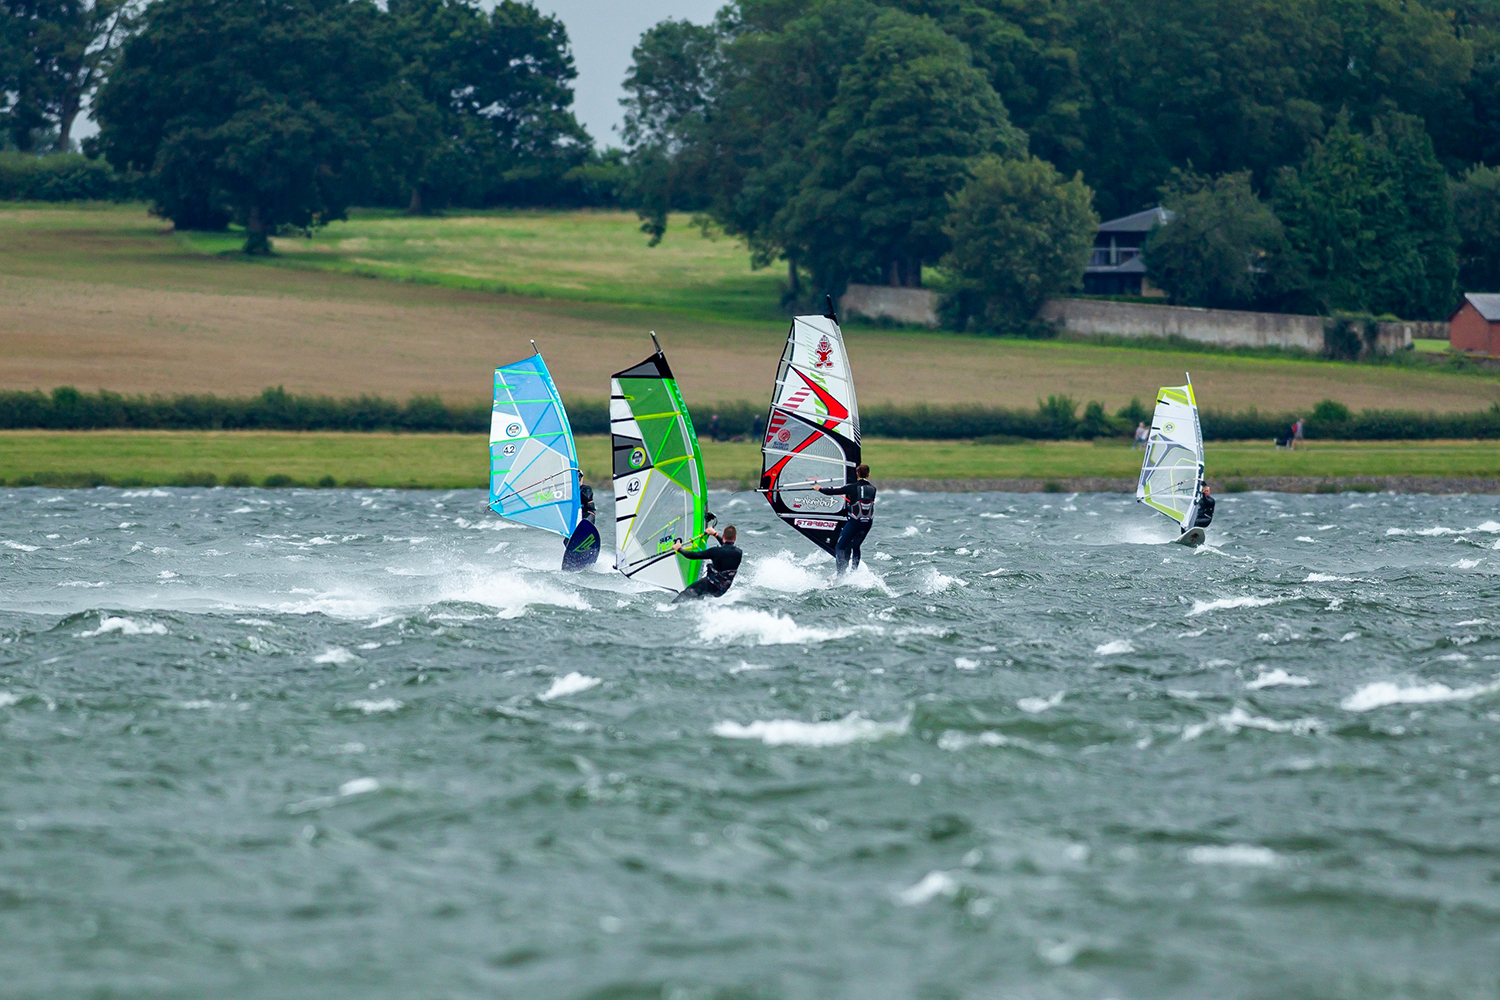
(108, 297)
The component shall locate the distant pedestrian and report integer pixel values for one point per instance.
(713, 428)
(1142, 435)
(758, 428)
(1296, 433)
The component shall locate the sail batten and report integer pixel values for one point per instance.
(1172, 470)
(534, 476)
(812, 430)
(660, 491)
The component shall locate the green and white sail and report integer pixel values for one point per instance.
(1172, 473)
(660, 493)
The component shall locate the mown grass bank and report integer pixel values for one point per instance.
(459, 461)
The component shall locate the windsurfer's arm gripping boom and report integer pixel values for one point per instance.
(805, 486)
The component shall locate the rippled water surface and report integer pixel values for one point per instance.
(372, 744)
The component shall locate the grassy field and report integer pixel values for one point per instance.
(450, 461)
(107, 297)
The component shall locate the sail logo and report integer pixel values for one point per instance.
(509, 449)
(824, 352)
(513, 430)
(637, 458)
(807, 522)
(783, 436)
(1169, 427)
(633, 487)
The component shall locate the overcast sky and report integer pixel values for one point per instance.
(603, 32)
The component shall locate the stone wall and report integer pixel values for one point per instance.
(1220, 327)
(917, 306)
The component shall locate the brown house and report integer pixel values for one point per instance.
(1475, 327)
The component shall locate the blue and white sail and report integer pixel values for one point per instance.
(533, 458)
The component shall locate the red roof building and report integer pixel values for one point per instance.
(1475, 327)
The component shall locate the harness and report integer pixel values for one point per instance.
(862, 504)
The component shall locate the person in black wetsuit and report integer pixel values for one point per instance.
(859, 517)
(586, 501)
(724, 563)
(1205, 508)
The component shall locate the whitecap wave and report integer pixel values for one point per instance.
(1277, 678)
(786, 574)
(852, 728)
(376, 706)
(933, 885)
(1226, 603)
(1246, 855)
(571, 683)
(1036, 706)
(335, 654)
(7, 699)
(1384, 693)
(18, 546)
(1114, 648)
(764, 628)
(934, 582)
(124, 626)
(1237, 718)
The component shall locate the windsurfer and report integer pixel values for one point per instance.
(724, 563)
(587, 509)
(859, 516)
(1205, 508)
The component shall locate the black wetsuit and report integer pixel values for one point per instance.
(724, 564)
(586, 502)
(1205, 512)
(859, 518)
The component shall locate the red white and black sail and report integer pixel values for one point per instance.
(812, 431)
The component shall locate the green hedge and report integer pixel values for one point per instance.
(59, 177)
(1055, 418)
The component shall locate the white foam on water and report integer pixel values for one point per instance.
(18, 546)
(965, 663)
(910, 531)
(257, 622)
(954, 740)
(1304, 538)
(1328, 578)
(1384, 693)
(335, 654)
(1237, 718)
(1277, 678)
(1467, 563)
(933, 885)
(934, 582)
(1348, 637)
(7, 699)
(1036, 706)
(1245, 855)
(571, 683)
(1114, 648)
(763, 628)
(376, 706)
(359, 786)
(852, 728)
(124, 626)
(785, 574)
(1226, 603)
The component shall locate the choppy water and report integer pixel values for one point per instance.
(369, 744)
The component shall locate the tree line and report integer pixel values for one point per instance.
(1317, 155)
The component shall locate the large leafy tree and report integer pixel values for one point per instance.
(911, 115)
(485, 108)
(1020, 233)
(1476, 209)
(1214, 250)
(53, 55)
(1369, 226)
(258, 110)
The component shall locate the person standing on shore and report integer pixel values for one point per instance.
(1296, 433)
(1142, 435)
(859, 517)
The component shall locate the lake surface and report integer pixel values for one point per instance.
(371, 744)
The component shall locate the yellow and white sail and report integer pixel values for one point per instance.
(1172, 472)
